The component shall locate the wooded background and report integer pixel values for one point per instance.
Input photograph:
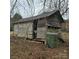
(28, 8)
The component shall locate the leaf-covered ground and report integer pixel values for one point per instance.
(26, 49)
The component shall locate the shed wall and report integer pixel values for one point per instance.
(41, 32)
(53, 21)
(24, 29)
(41, 28)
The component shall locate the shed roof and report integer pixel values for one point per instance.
(45, 14)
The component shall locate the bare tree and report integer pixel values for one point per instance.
(62, 5)
(31, 6)
(15, 4)
(44, 5)
(12, 7)
(47, 5)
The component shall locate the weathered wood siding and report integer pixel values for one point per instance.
(65, 26)
(24, 29)
(16, 28)
(41, 28)
(53, 20)
(41, 32)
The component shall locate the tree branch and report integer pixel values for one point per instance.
(65, 11)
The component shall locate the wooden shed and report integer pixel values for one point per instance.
(37, 26)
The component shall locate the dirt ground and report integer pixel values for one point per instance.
(25, 49)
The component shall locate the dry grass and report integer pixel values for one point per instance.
(25, 49)
(65, 36)
(12, 33)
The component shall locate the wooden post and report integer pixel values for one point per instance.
(46, 31)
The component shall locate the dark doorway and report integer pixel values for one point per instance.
(35, 29)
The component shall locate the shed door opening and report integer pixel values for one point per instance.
(35, 29)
